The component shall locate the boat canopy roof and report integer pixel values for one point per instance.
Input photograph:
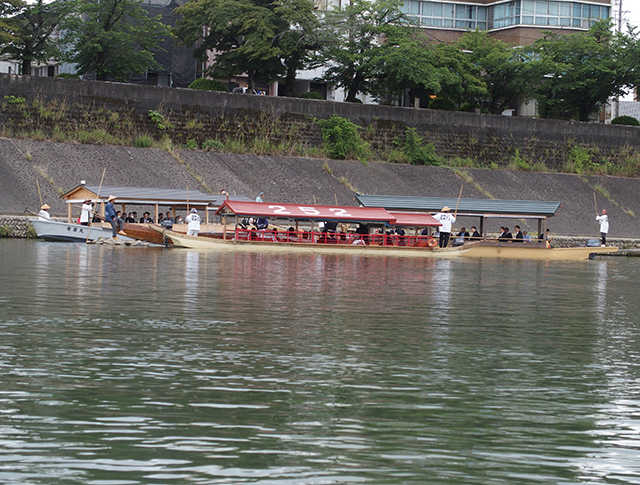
(325, 213)
(147, 195)
(466, 207)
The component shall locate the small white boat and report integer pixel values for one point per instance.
(68, 232)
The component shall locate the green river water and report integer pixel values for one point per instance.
(163, 366)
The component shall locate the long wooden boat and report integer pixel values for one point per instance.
(69, 232)
(372, 237)
(535, 251)
(269, 244)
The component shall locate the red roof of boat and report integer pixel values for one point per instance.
(325, 212)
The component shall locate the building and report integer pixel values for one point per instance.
(518, 22)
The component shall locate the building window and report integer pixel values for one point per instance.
(563, 14)
(448, 15)
(506, 14)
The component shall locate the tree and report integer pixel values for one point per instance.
(583, 70)
(34, 40)
(267, 39)
(501, 67)
(8, 28)
(352, 37)
(112, 38)
(407, 60)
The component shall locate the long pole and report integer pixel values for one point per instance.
(459, 195)
(96, 203)
(595, 203)
(187, 198)
(40, 194)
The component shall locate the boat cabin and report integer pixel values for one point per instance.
(483, 209)
(157, 199)
(372, 223)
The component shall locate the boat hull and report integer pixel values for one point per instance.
(206, 243)
(68, 232)
(535, 252)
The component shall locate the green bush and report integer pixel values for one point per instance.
(212, 146)
(191, 144)
(208, 85)
(143, 141)
(625, 120)
(416, 153)
(310, 95)
(443, 103)
(6, 231)
(341, 139)
(68, 75)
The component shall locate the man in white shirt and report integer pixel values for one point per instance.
(604, 225)
(193, 219)
(447, 221)
(43, 214)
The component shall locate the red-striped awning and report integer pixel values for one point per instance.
(324, 213)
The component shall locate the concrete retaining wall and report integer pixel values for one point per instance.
(479, 136)
(20, 228)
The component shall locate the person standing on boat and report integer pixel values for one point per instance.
(447, 221)
(259, 198)
(111, 217)
(604, 226)
(193, 219)
(44, 214)
(85, 216)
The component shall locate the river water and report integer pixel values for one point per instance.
(165, 366)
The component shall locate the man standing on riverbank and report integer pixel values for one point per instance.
(604, 226)
(447, 221)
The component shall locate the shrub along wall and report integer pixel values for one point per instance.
(102, 112)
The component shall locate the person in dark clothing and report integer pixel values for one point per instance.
(474, 233)
(519, 236)
(111, 216)
(463, 233)
(146, 218)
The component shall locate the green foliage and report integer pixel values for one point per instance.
(443, 104)
(112, 38)
(143, 141)
(8, 20)
(6, 231)
(579, 72)
(191, 144)
(310, 95)
(341, 139)
(33, 38)
(266, 39)
(208, 85)
(507, 77)
(416, 153)
(159, 120)
(213, 146)
(625, 120)
(15, 100)
(97, 137)
(68, 75)
(580, 161)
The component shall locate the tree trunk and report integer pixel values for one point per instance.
(26, 67)
(354, 88)
(290, 81)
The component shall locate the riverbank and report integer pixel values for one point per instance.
(58, 167)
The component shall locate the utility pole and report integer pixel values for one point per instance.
(616, 111)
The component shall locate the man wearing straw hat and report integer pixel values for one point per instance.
(111, 217)
(447, 221)
(44, 214)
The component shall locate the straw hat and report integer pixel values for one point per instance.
(112, 197)
(45, 207)
(446, 208)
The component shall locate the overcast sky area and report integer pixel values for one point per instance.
(630, 13)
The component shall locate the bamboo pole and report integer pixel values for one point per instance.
(40, 194)
(96, 203)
